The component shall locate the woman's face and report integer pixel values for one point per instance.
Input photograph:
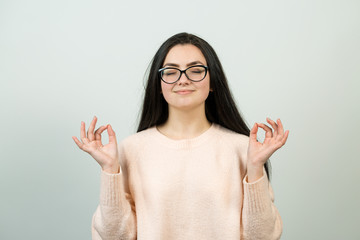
(185, 94)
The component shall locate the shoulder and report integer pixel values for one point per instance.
(236, 141)
(231, 136)
(135, 141)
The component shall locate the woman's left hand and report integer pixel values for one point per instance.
(258, 153)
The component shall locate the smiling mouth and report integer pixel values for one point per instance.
(184, 92)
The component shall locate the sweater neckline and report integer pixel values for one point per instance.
(184, 143)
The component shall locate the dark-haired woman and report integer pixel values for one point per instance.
(194, 170)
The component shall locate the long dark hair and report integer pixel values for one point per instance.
(220, 107)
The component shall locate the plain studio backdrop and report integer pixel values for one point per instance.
(62, 62)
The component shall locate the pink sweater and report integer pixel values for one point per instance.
(185, 189)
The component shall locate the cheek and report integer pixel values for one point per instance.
(205, 87)
(205, 84)
(164, 87)
(166, 90)
(208, 80)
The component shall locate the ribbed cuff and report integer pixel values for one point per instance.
(111, 188)
(256, 195)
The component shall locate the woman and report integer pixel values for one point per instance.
(193, 170)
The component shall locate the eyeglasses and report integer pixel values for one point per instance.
(194, 73)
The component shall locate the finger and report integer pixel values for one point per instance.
(80, 145)
(281, 128)
(283, 141)
(98, 133)
(90, 133)
(274, 126)
(82, 132)
(267, 129)
(253, 132)
(85, 140)
(111, 133)
(268, 132)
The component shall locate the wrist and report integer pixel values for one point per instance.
(114, 169)
(254, 172)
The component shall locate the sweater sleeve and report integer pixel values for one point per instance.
(115, 216)
(260, 218)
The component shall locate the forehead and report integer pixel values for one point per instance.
(183, 54)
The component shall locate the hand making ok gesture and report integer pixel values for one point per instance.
(258, 153)
(105, 155)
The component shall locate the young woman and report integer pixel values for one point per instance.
(193, 170)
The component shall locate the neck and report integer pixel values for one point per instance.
(184, 124)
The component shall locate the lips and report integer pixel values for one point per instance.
(184, 91)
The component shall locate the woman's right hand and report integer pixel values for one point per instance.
(105, 155)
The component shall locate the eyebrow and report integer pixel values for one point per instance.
(189, 64)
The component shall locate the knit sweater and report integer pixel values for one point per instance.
(185, 189)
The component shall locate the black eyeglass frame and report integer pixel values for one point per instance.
(181, 72)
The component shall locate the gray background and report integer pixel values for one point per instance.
(62, 62)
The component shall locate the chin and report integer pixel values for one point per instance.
(189, 106)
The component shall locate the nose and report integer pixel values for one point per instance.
(183, 79)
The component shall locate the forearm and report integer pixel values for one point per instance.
(260, 218)
(114, 216)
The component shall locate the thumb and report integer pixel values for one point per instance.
(111, 133)
(253, 132)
